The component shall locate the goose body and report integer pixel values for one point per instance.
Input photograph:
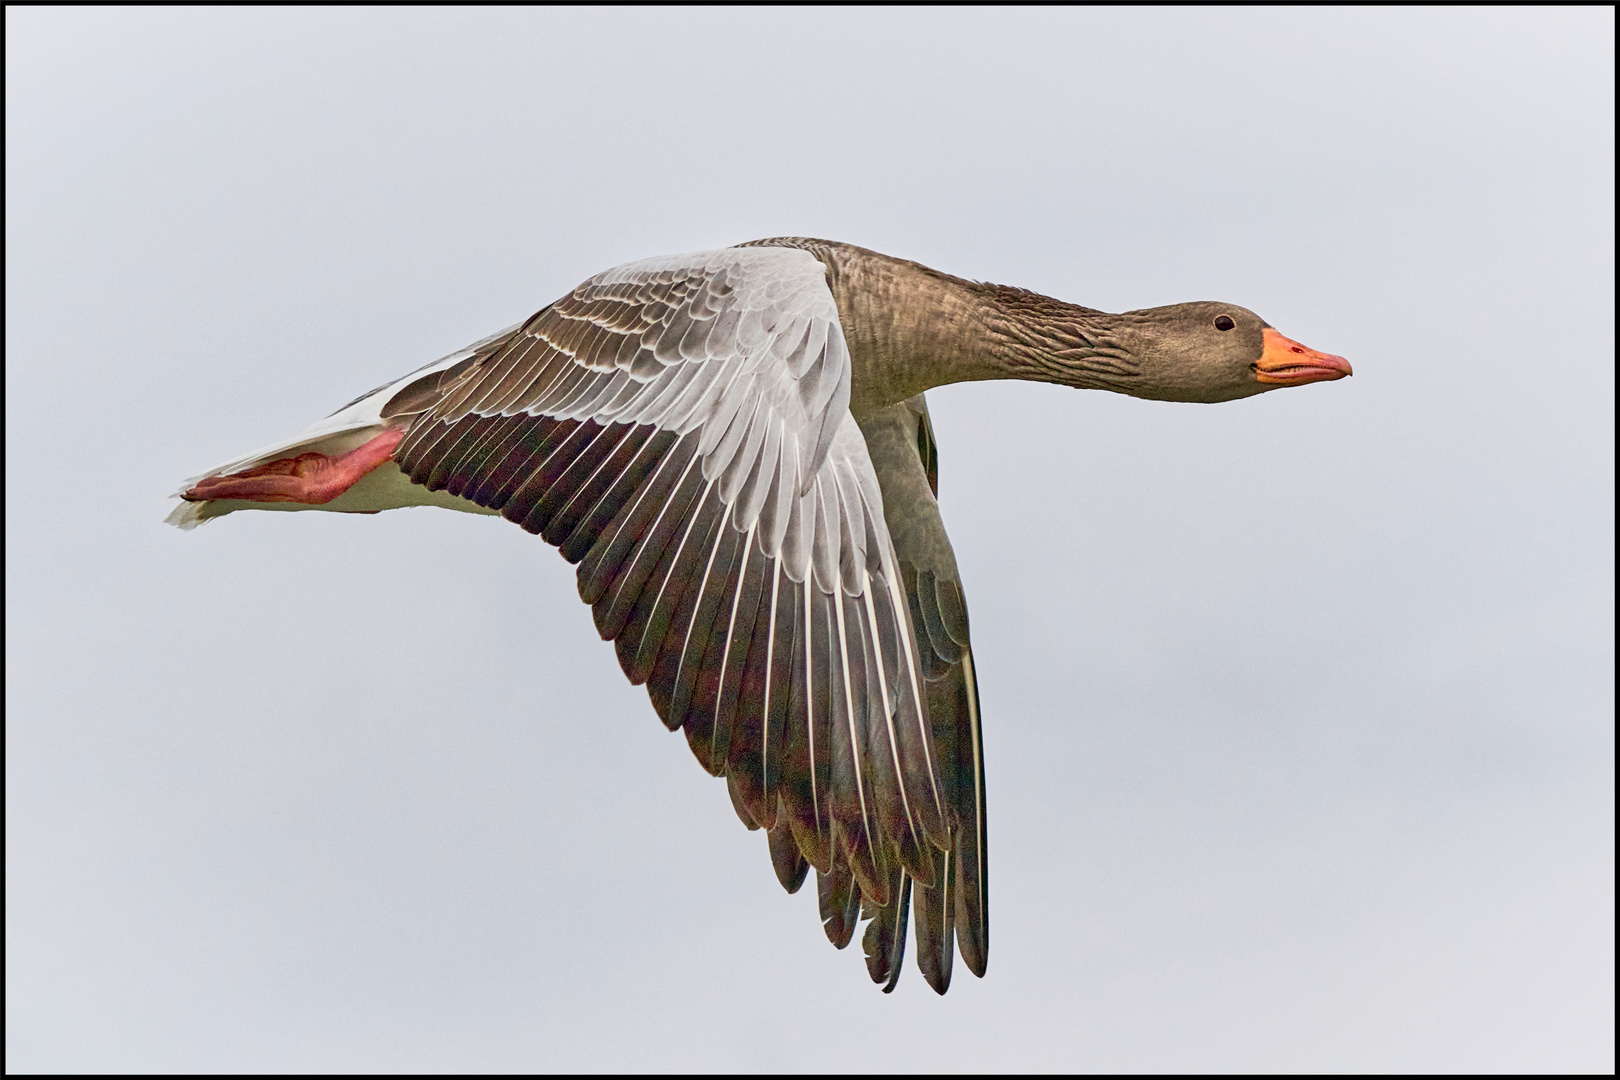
(734, 447)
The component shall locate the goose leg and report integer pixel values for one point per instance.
(308, 478)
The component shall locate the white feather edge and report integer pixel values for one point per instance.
(384, 488)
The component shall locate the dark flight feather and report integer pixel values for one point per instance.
(885, 939)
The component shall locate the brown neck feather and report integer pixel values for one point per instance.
(911, 328)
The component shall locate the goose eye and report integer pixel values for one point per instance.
(1224, 322)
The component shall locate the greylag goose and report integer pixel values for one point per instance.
(735, 449)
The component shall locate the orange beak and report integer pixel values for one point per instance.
(1288, 363)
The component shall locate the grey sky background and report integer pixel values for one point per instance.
(1299, 709)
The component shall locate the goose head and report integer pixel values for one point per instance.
(1209, 351)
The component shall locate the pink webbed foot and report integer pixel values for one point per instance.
(308, 478)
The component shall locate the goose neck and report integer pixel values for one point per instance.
(910, 329)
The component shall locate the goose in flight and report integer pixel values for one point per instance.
(734, 448)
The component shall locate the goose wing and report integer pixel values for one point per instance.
(900, 441)
(678, 427)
